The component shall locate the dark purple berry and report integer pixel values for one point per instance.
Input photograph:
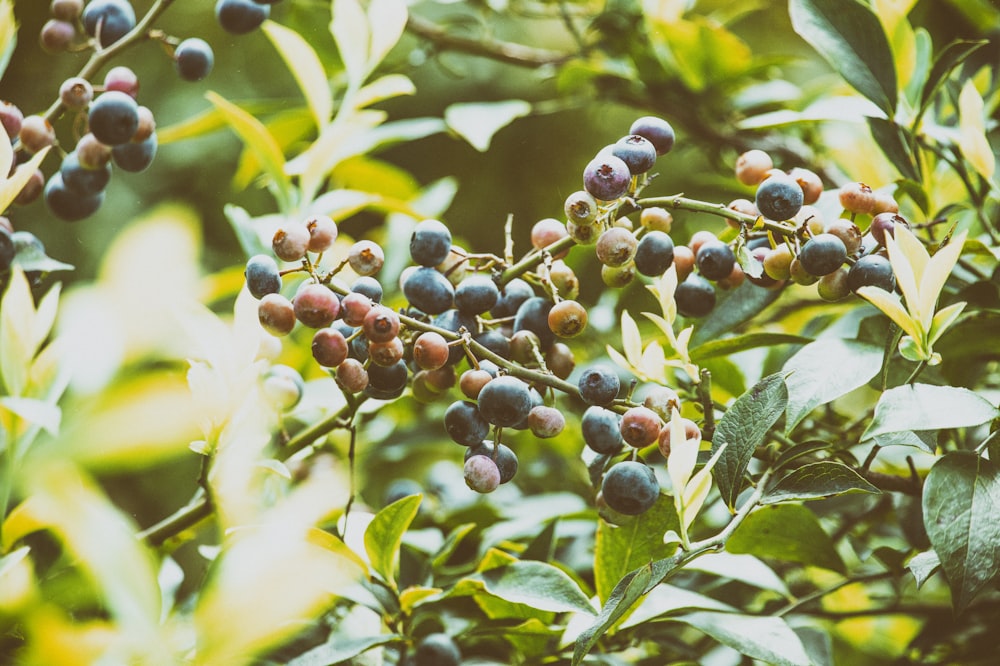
(657, 131)
(533, 315)
(135, 157)
(262, 276)
(82, 180)
(368, 286)
(630, 487)
(602, 430)
(114, 118)
(68, 205)
(822, 254)
(387, 382)
(606, 177)
(779, 198)
(505, 401)
(476, 294)
(715, 260)
(871, 270)
(193, 59)
(238, 17)
(599, 385)
(429, 291)
(513, 294)
(637, 152)
(112, 19)
(430, 243)
(695, 296)
(465, 424)
(654, 254)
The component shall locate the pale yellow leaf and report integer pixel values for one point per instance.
(17, 332)
(683, 456)
(943, 320)
(351, 32)
(631, 340)
(619, 360)
(972, 132)
(653, 363)
(306, 69)
(663, 325)
(388, 20)
(330, 148)
(908, 258)
(890, 306)
(382, 88)
(938, 270)
(45, 316)
(11, 187)
(697, 489)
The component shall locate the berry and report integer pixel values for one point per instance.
(583, 234)
(601, 430)
(32, 189)
(871, 270)
(752, 167)
(847, 232)
(430, 243)
(545, 422)
(513, 294)
(75, 93)
(559, 360)
(284, 386)
(114, 118)
(505, 401)
(695, 297)
(147, 125)
(564, 279)
(885, 224)
(533, 315)
(495, 341)
(36, 133)
(715, 260)
(834, 286)
(262, 276)
(476, 294)
(135, 157)
(630, 487)
(56, 36)
(656, 130)
(483, 476)
(193, 59)
(429, 291)
(290, 242)
(329, 347)
(11, 118)
(386, 352)
(91, 152)
(366, 285)
(430, 351)
(366, 258)
(616, 246)
(7, 250)
(637, 152)
(437, 650)
(112, 19)
(68, 205)
(599, 385)
(656, 219)
(66, 10)
(812, 186)
(857, 198)
(454, 321)
(464, 423)
(122, 79)
(354, 308)
(352, 376)
(822, 254)
(654, 254)
(580, 208)
(663, 401)
(381, 324)
(547, 231)
(316, 306)
(640, 426)
(567, 319)
(386, 383)
(683, 261)
(238, 17)
(322, 232)
(777, 262)
(276, 314)
(779, 198)
(83, 181)
(606, 178)
(472, 382)
(501, 454)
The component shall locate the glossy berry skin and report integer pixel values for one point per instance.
(505, 401)
(352, 376)
(871, 270)
(316, 305)
(483, 476)
(238, 17)
(533, 315)
(601, 430)
(495, 341)
(276, 314)
(654, 254)
(503, 456)
(464, 424)
(567, 319)
(630, 488)
(366, 285)
(476, 294)
(822, 254)
(454, 321)
(380, 324)
(637, 152)
(36, 133)
(11, 118)
(193, 59)
(695, 297)
(387, 352)
(655, 130)
(429, 291)
(366, 258)
(262, 276)
(752, 166)
(329, 347)
(779, 198)
(83, 181)
(430, 243)
(513, 294)
(606, 178)
(616, 246)
(290, 242)
(113, 118)
(122, 79)
(386, 383)
(599, 385)
(884, 224)
(640, 426)
(545, 422)
(715, 260)
(114, 19)
(68, 205)
(430, 351)
(354, 308)
(322, 232)
(135, 157)
(56, 36)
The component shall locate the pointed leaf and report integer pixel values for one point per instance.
(538, 585)
(627, 592)
(8, 37)
(909, 261)
(339, 650)
(37, 412)
(631, 340)
(306, 69)
(947, 61)
(818, 480)
(477, 122)
(742, 429)
(388, 20)
(351, 32)
(961, 502)
(697, 489)
(383, 88)
(682, 459)
(385, 534)
(786, 532)
(890, 306)
(928, 407)
(739, 343)
(734, 308)
(653, 362)
(892, 140)
(11, 187)
(17, 332)
(769, 639)
(634, 543)
(943, 320)
(937, 272)
(923, 566)
(825, 370)
(972, 131)
(850, 37)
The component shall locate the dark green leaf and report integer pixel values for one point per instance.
(915, 191)
(385, 534)
(339, 649)
(799, 450)
(951, 57)
(542, 546)
(740, 343)
(733, 308)
(850, 37)
(961, 503)
(923, 565)
(627, 592)
(928, 407)
(818, 481)
(450, 544)
(787, 532)
(536, 584)
(638, 541)
(769, 639)
(893, 141)
(742, 429)
(825, 370)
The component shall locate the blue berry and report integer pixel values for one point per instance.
(715, 260)
(262, 276)
(654, 254)
(135, 156)
(386, 382)
(476, 294)
(630, 487)
(695, 297)
(453, 320)
(513, 294)
(602, 430)
(505, 459)
(68, 205)
(238, 17)
(505, 401)
(533, 315)
(428, 290)
(495, 341)
(430, 243)
(465, 424)
(599, 384)
(871, 270)
(82, 180)
(193, 59)
(114, 19)
(636, 151)
(779, 198)
(368, 286)
(113, 118)
(822, 254)
(657, 131)
(606, 177)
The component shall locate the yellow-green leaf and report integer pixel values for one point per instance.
(972, 132)
(653, 362)
(388, 20)
(8, 34)
(306, 68)
(385, 534)
(382, 88)
(909, 259)
(34, 411)
(631, 340)
(890, 306)
(11, 187)
(943, 320)
(682, 459)
(351, 32)
(17, 332)
(937, 273)
(697, 489)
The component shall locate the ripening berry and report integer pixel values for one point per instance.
(847, 232)
(366, 257)
(36, 133)
(523, 346)
(387, 352)
(11, 118)
(547, 231)
(583, 234)
(31, 190)
(284, 386)
(381, 324)
(752, 167)
(778, 261)
(483, 476)
(290, 242)
(56, 36)
(656, 219)
(734, 279)
(857, 198)
(329, 347)
(147, 125)
(663, 401)
(811, 184)
(606, 178)
(559, 359)
(122, 79)
(322, 233)
(75, 93)
(885, 224)
(885, 203)
(66, 10)
(640, 426)
(545, 422)
(616, 246)
(472, 382)
(567, 319)
(683, 261)
(430, 351)
(316, 306)
(580, 208)
(501, 454)
(352, 376)
(276, 314)
(744, 206)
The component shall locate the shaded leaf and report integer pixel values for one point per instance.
(787, 532)
(769, 639)
(734, 307)
(385, 534)
(305, 67)
(627, 592)
(849, 36)
(744, 568)
(961, 501)
(478, 122)
(536, 584)
(892, 140)
(739, 343)
(818, 480)
(950, 58)
(32, 257)
(825, 370)
(742, 429)
(632, 544)
(928, 407)
(451, 543)
(338, 649)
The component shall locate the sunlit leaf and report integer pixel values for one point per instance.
(937, 272)
(972, 132)
(727, 346)
(769, 639)
(928, 407)
(305, 67)
(351, 32)
(943, 320)
(11, 187)
(682, 459)
(818, 480)
(478, 122)
(786, 532)
(947, 61)
(538, 585)
(697, 489)
(8, 38)
(631, 340)
(383, 88)
(17, 332)
(388, 20)
(385, 534)
(890, 305)
(339, 650)
(909, 261)
(37, 412)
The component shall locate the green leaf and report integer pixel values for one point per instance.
(849, 36)
(742, 429)
(787, 532)
(972, 131)
(385, 534)
(31, 257)
(739, 343)
(825, 370)
(923, 565)
(950, 58)
(665, 599)
(734, 308)
(451, 544)
(928, 407)
(744, 568)
(17, 335)
(477, 122)
(8, 36)
(38, 412)
(627, 592)
(340, 649)
(11, 187)
(769, 639)
(536, 584)
(306, 69)
(961, 502)
(892, 140)
(350, 30)
(636, 542)
(818, 480)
